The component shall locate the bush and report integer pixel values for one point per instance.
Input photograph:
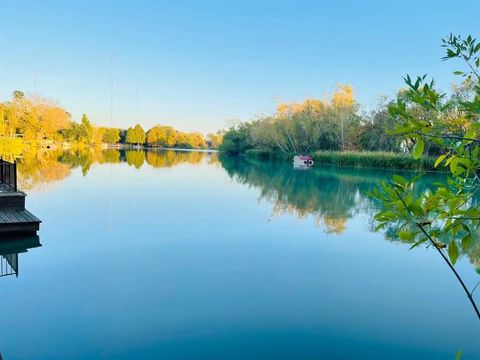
(236, 140)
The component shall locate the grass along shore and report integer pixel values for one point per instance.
(373, 159)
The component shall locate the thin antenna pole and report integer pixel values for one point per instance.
(112, 63)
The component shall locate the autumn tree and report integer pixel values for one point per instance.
(215, 139)
(111, 135)
(164, 136)
(136, 135)
(343, 102)
(190, 140)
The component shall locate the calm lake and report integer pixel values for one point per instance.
(185, 255)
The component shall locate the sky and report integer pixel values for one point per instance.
(200, 65)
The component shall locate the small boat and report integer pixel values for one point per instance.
(302, 161)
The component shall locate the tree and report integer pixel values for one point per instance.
(190, 140)
(111, 135)
(164, 136)
(447, 217)
(74, 133)
(136, 135)
(343, 101)
(17, 111)
(237, 139)
(97, 136)
(87, 129)
(374, 134)
(215, 140)
(298, 128)
(18, 95)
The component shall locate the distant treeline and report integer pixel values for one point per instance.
(338, 124)
(36, 121)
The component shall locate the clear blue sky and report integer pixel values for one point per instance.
(199, 64)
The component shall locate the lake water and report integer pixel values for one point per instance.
(182, 255)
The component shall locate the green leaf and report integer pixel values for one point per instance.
(380, 226)
(466, 242)
(400, 180)
(454, 167)
(418, 148)
(453, 252)
(405, 235)
(478, 270)
(440, 159)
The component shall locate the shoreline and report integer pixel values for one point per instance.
(363, 159)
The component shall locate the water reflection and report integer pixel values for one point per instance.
(38, 167)
(332, 196)
(11, 247)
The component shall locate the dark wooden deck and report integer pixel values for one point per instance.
(14, 218)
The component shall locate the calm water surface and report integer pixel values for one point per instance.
(182, 255)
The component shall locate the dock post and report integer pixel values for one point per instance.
(15, 175)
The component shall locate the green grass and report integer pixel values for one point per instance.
(374, 159)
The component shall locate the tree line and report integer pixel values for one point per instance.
(36, 120)
(337, 123)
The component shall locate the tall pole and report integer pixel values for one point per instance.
(112, 63)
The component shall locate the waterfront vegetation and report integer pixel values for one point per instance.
(447, 216)
(336, 130)
(34, 121)
(372, 159)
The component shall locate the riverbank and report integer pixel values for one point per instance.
(372, 159)
(18, 146)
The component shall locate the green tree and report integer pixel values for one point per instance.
(18, 95)
(136, 135)
(374, 134)
(237, 139)
(447, 218)
(87, 129)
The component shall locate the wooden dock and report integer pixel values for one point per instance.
(14, 218)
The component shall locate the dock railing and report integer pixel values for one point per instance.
(8, 176)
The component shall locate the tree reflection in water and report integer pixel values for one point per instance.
(38, 167)
(332, 196)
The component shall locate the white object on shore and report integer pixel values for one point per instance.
(302, 161)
